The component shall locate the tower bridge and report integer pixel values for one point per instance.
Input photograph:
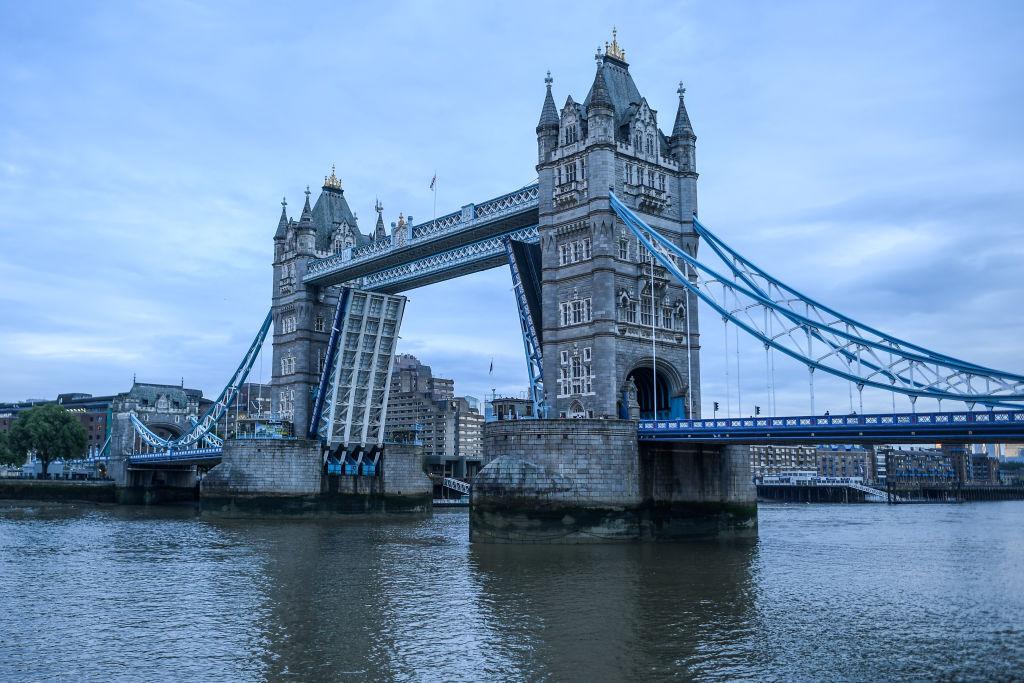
(602, 250)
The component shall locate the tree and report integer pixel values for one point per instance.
(7, 456)
(49, 431)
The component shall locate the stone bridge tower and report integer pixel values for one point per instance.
(599, 310)
(302, 316)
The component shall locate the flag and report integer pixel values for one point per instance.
(491, 371)
(432, 181)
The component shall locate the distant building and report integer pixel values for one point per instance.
(508, 408)
(449, 426)
(918, 467)
(251, 407)
(767, 461)
(91, 411)
(846, 460)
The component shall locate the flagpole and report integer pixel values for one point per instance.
(433, 187)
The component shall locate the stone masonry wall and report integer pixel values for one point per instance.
(266, 467)
(699, 473)
(565, 462)
(403, 471)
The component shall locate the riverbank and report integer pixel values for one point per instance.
(58, 490)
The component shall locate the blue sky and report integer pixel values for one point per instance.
(868, 153)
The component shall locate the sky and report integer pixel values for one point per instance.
(870, 154)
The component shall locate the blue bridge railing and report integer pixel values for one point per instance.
(966, 426)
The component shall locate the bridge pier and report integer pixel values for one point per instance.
(260, 477)
(590, 481)
(152, 485)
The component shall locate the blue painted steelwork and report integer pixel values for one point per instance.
(763, 308)
(187, 455)
(531, 336)
(473, 224)
(959, 427)
(321, 417)
(211, 440)
(216, 411)
(445, 264)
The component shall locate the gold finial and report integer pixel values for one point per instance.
(613, 50)
(332, 181)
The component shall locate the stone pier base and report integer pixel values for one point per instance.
(155, 485)
(271, 477)
(589, 481)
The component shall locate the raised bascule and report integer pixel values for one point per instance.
(602, 251)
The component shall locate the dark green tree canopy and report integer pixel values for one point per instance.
(51, 432)
(7, 456)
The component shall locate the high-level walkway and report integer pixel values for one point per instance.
(456, 244)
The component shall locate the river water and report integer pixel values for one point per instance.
(827, 592)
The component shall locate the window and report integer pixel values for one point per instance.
(650, 144)
(288, 365)
(575, 312)
(583, 169)
(288, 324)
(661, 182)
(666, 317)
(574, 375)
(624, 249)
(575, 251)
(629, 174)
(645, 313)
(638, 142)
(318, 324)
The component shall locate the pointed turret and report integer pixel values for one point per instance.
(547, 128)
(599, 95)
(307, 213)
(379, 232)
(548, 113)
(282, 225)
(682, 127)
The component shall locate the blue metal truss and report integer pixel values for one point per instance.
(210, 440)
(531, 336)
(216, 411)
(818, 337)
(324, 393)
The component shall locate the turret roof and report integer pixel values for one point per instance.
(682, 126)
(548, 113)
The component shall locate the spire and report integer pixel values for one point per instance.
(379, 232)
(307, 213)
(682, 128)
(548, 114)
(282, 225)
(599, 97)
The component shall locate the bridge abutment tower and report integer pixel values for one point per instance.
(611, 320)
(620, 341)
